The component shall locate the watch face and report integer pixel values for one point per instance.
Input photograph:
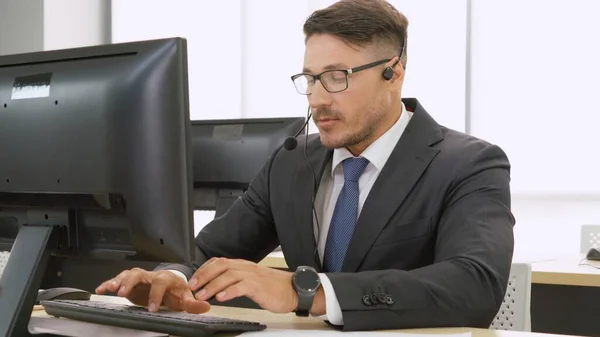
(306, 280)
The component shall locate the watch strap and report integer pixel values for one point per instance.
(305, 302)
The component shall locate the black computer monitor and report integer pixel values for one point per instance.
(229, 153)
(95, 161)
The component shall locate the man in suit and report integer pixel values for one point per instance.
(386, 219)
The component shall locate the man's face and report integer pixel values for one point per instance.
(351, 117)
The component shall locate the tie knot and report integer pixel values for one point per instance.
(354, 167)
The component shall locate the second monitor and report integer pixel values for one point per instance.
(227, 154)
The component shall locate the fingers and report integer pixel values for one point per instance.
(220, 283)
(192, 305)
(243, 288)
(106, 286)
(215, 267)
(131, 280)
(161, 283)
(196, 307)
(102, 289)
(209, 270)
(114, 284)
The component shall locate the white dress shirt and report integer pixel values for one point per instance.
(331, 185)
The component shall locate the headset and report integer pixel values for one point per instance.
(388, 73)
(290, 144)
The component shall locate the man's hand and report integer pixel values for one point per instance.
(153, 289)
(226, 279)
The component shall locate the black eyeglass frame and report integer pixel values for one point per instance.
(345, 71)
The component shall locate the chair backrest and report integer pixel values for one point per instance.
(590, 238)
(3, 260)
(515, 312)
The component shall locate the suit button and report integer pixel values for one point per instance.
(375, 299)
(381, 298)
(367, 300)
(389, 300)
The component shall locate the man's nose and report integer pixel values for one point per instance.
(319, 96)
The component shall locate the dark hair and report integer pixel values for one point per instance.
(362, 22)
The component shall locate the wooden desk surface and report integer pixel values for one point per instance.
(291, 321)
(274, 260)
(572, 271)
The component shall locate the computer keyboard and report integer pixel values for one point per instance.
(139, 318)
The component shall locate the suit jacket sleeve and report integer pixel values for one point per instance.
(246, 231)
(466, 284)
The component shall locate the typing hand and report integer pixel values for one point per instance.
(225, 279)
(153, 289)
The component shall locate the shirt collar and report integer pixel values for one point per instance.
(380, 150)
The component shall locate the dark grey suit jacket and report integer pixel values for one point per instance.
(433, 244)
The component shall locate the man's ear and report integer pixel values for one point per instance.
(388, 73)
(397, 72)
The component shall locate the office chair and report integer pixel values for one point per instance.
(515, 312)
(3, 260)
(590, 238)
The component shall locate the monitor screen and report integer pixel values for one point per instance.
(228, 154)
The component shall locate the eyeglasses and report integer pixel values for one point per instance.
(332, 80)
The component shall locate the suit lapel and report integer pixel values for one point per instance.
(406, 164)
(303, 206)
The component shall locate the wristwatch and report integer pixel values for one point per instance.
(306, 282)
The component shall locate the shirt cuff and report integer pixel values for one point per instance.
(180, 274)
(332, 305)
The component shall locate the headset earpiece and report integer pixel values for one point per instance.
(388, 73)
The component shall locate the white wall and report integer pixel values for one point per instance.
(436, 68)
(36, 25)
(76, 23)
(535, 89)
(273, 50)
(535, 74)
(548, 226)
(213, 30)
(21, 26)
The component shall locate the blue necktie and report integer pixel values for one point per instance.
(344, 216)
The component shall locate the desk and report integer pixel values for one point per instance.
(290, 321)
(565, 296)
(274, 260)
(567, 271)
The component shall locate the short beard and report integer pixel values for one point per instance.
(360, 136)
(353, 139)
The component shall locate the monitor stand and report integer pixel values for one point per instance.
(225, 199)
(212, 199)
(23, 276)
